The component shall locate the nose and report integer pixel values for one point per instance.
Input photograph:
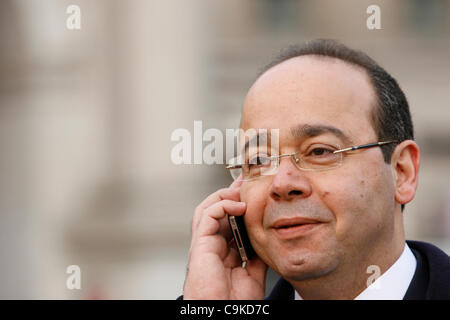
(289, 182)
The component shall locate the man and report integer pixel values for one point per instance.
(322, 215)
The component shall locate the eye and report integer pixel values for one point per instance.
(320, 152)
(259, 161)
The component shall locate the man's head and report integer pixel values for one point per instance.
(390, 115)
(357, 206)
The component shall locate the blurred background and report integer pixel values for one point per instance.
(86, 118)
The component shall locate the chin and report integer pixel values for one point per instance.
(298, 267)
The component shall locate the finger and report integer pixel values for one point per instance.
(232, 193)
(257, 269)
(236, 183)
(209, 222)
(222, 194)
(225, 229)
(219, 209)
(232, 260)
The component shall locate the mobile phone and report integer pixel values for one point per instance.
(241, 238)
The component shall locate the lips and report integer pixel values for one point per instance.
(292, 222)
(294, 227)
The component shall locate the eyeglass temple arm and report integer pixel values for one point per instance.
(237, 166)
(369, 145)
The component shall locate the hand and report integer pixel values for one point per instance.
(214, 268)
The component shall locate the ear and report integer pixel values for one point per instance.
(405, 165)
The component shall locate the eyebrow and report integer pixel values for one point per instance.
(303, 131)
(308, 131)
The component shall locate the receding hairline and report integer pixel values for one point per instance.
(319, 57)
(315, 56)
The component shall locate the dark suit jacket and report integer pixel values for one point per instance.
(431, 279)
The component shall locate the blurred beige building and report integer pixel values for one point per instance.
(86, 118)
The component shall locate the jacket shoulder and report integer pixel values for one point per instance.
(433, 270)
(282, 290)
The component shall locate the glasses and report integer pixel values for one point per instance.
(318, 157)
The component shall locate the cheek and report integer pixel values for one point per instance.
(255, 196)
(357, 201)
(345, 192)
(340, 192)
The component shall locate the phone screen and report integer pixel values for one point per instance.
(241, 237)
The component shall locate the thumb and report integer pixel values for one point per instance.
(257, 269)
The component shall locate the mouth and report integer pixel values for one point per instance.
(294, 227)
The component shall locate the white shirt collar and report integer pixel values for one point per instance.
(391, 285)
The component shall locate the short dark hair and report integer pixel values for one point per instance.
(390, 116)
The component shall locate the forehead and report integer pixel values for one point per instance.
(312, 90)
